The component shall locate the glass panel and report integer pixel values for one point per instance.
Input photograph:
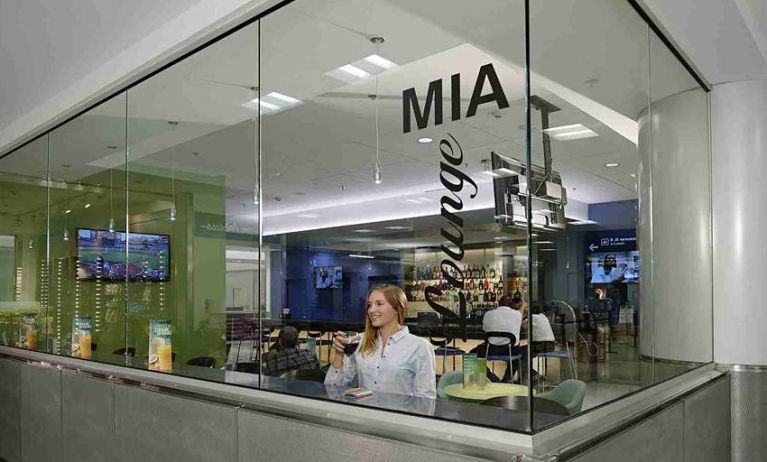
(674, 140)
(379, 123)
(193, 297)
(87, 220)
(589, 87)
(23, 246)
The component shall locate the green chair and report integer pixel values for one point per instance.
(448, 378)
(569, 394)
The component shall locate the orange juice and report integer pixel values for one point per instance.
(85, 347)
(32, 340)
(165, 358)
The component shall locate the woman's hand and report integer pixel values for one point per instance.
(339, 342)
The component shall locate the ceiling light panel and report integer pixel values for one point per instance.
(273, 102)
(361, 69)
(380, 61)
(570, 132)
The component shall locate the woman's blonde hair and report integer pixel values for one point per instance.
(397, 299)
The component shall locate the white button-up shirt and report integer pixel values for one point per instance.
(502, 319)
(405, 367)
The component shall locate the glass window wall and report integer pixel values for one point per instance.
(403, 205)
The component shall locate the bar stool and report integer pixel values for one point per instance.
(507, 359)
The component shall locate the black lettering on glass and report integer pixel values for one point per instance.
(410, 99)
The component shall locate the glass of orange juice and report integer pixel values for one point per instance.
(85, 346)
(165, 358)
(32, 339)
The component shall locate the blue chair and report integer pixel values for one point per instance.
(449, 378)
(444, 350)
(511, 356)
(569, 394)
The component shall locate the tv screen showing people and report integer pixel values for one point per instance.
(328, 277)
(614, 267)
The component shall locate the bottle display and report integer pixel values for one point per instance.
(483, 287)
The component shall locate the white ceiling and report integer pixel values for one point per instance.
(726, 39)
(46, 46)
(590, 61)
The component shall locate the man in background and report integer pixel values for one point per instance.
(286, 356)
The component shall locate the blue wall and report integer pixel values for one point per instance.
(614, 215)
(292, 284)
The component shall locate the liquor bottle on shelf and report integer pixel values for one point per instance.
(484, 271)
(467, 272)
(492, 272)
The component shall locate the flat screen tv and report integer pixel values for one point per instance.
(328, 277)
(101, 255)
(613, 267)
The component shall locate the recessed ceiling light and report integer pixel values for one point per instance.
(281, 97)
(87, 206)
(355, 71)
(68, 211)
(359, 255)
(309, 215)
(425, 140)
(364, 231)
(491, 173)
(633, 175)
(583, 222)
(498, 238)
(570, 132)
(397, 227)
(380, 61)
(612, 164)
(255, 102)
(543, 242)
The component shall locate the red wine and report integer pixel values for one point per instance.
(351, 347)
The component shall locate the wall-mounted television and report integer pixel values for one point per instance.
(328, 277)
(101, 255)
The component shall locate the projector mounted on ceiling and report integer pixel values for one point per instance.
(548, 196)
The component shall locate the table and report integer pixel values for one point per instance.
(522, 404)
(492, 390)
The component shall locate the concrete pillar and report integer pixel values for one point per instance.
(675, 229)
(739, 161)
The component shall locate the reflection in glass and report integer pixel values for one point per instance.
(24, 320)
(87, 193)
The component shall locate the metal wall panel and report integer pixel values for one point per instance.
(157, 427)
(40, 414)
(657, 439)
(707, 423)
(749, 415)
(87, 409)
(10, 410)
(264, 437)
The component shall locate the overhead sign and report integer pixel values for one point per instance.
(620, 240)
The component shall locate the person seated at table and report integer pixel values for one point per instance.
(542, 339)
(389, 358)
(507, 317)
(286, 356)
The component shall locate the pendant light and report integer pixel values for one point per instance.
(172, 186)
(111, 202)
(377, 170)
(172, 217)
